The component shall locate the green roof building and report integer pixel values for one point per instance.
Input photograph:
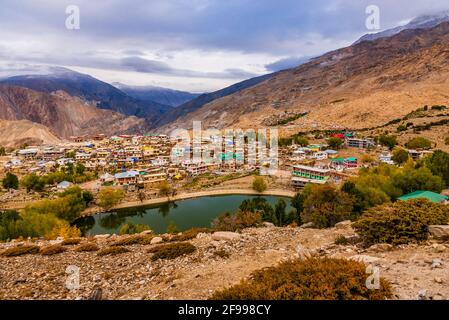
(429, 195)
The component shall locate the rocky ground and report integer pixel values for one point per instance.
(416, 272)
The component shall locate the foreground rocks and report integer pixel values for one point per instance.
(220, 260)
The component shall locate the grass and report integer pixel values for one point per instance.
(21, 250)
(87, 247)
(133, 240)
(71, 242)
(171, 251)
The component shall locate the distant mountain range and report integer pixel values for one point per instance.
(160, 95)
(420, 22)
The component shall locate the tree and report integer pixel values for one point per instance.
(412, 179)
(70, 154)
(419, 143)
(80, 169)
(388, 141)
(438, 163)
(10, 181)
(259, 205)
(279, 211)
(2, 151)
(334, 143)
(366, 158)
(259, 184)
(33, 182)
(325, 206)
(359, 204)
(400, 156)
(165, 188)
(301, 141)
(109, 197)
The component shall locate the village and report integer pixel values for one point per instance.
(140, 164)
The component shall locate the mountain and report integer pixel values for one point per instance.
(206, 98)
(363, 85)
(16, 133)
(160, 95)
(420, 22)
(104, 95)
(63, 114)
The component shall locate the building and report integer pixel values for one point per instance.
(428, 195)
(386, 158)
(350, 162)
(126, 178)
(303, 175)
(360, 143)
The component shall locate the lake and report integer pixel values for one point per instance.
(185, 214)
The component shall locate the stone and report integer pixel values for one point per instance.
(156, 240)
(438, 280)
(268, 224)
(436, 263)
(102, 236)
(307, 225)
(225, 235)
(343, 224)
(145, 232)
(438, 248)
(439, 231)
(380, 247)
(423, 294)
(303, 253)
(363, 258)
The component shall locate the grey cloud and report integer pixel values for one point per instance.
(286, 63)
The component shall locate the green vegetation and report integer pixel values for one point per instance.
(259, 184)
(325, 206)
(172, 228)
(2, 151)
(290, 119)
(400, 156)
(439, 108)
(131, 228)
(419, 143)
(334, 143)
(401, 222)
(109, 197)
(237, 221)
(10, 181)
(21, 250)
(310, 279)
(165, 189)
(387, 141)
(438, 163)
(112, 251)
(172, 250)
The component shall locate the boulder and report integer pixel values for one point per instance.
(380, 247)
(102, 236)
(225, 235)
(363, 258)
(156, 240)
(343, 224)
(307, 225)
(439, 231)
(268, 224)
(145, 232)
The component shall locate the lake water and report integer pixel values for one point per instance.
(185, 214)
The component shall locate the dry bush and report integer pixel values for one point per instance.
(237, 221)
(310, 279)
(222, 253)
(132, 240)
(87, 247)
(112, 251)
(71, 241)
(171, 250)
(52, 249)
(21, 250)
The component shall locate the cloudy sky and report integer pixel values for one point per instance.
(195, 45)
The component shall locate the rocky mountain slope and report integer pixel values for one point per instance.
(16, 133)
(416, 272)
(103, 95)
(364, 85)
(169, 97)
(63, 114)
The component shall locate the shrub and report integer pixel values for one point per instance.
(87, 247)
(446, 141)
(325, 206)
(109, 197)
(53, 249)
(438, 163)
(237, 221)
(21, 250)
(63, 230)
(334, 143)
(344, 241)
(190, 234)
(400, 156)
(401, 222)
(259, 184)
(222, 253)
(10, 181)
(165, 188)
(387, 141)
(172, 228)
(172, 250)
(310, 279)
(112, 251)
(419, 143)
(131, 228)
(71, 241)
(129, 241)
